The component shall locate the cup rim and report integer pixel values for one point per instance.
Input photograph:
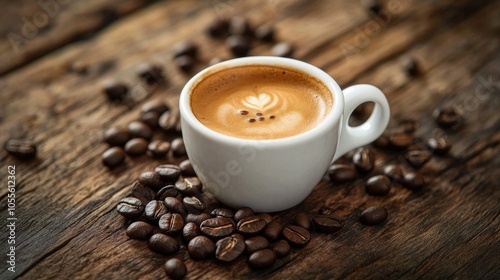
(327, 123)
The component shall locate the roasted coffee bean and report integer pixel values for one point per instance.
(193, 204)
(158, 148)
(417, 158)
(171, 223)
(187, 168)
(400, 140)
(272, 231)
(166, 191)
(186, 188)
(185, 63)
(150, 118)
(151, 180)
(237, 235)
(378, 185)
(222, 212)
(283, 49)
(373, 6)
(407, 125)
(238, 45)
(151, 73)
(218, 28)
(130, 207)
(229, 248)
(142, 192)
(136, 147)
(268, 218)
(155, 105)
(342, 173)
(382, 142)
(296, 236)
(251, 225)
(439, 145)
(255, 243)
(364, 159)
(163, 244)
(116, 136)
(394, 171)
(193, 182)
(168, 172)
(138, 129)
(328, 223)
(410, 66)
(243, 213)
(373, 215)
(190, 231)
(448, 117)
(262, 259)
(175, 205)
(154, 210)
(240, 26)
(139, 230)
(265, 33)
(114, 90)
(302, 220)
(281, 248)
(201, 248)
(325, 210)
(413, 181)
(175, 268)
(22, 149)
(197, 218)
(113, 157)
(217, 227)
(168, 121)
(185, 48)
(178, 148)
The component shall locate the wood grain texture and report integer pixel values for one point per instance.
(67, 224)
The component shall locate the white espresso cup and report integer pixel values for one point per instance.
(276, 174)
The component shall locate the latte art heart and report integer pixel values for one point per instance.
(262, 101)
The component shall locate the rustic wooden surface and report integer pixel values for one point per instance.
(67, 226)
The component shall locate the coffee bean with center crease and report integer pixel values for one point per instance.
(364, 159)
(302, 220)
(439, 145)
(222, 212)
(342, 173)
(373, 215)
(217, 227)
(296, 236)
(193, 204)
(138, 129)
(272, 231)
(158, 148)
(163, 244)
(238, 45)
(413, 181)
(139, 230)
(400, 140)
(251, 225)
(166, 191)
(229, 248)
(174, 205)
(394, 171)
(448, 118)
(130, 207)
(178, 148)
(255, 243)
(168, 121)
(267, 217)
(187, 168)
(262, 259)
(200, 248)
(175, 268)
(243, 213)
(136, 147)
(141, 192)
(190, 186)
(328, 223)
(281, 249)
(114, 90)
(22, 149)
(150, 118)
(417, 158)
(151, 180)
(171, 223)
(113, 157)
(154, 210)
(378, 185)
(168, 172)
(116, 136)
(190, 231)
(197, 218)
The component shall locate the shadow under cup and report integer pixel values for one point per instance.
(266, 175)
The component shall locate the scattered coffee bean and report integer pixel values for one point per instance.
(243, 213)
(378, 185)
(175, 205)
(268, 218)
(218, 28)
(328, 223)
(222, 212)
(178, 148)
(163, 244)
(116, 136)
(156, 105)
(158, 148)
(175, 268)
(265, 33)
(171, 223)
(410, 66)
(262, 259)
(154, 210)
(400, 139)
(217, 227)
(187, 168)
(407, 125)
(151, 180)
(150, 118)
(302, 220)
(197, 218)
(168, 172)
(114, 90)
(255, 243)
(185, 48)
(240, 26)
(190, 231)
(229, 248)
(281, 248)
(201, 248)
(382, 142)
(296, 236)
(166, 191)
(238, 45)
(373, 6)
(413, 181)
(22, 149)
(185, 63)
(136, 147)
(113, 157)
(448, 118)
(142, 192)
(151, 73)
(283, 49)
(342, 173)
(439, 145)
(168, 121)
(417, 158)
(272, 231)
(373, 215)
(251, 225)
(130, 207)
(189, 187)
(394, 171)
(364, 159)
(193, 204)
(138, 129)
(139, 230)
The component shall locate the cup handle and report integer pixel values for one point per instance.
(354, 137)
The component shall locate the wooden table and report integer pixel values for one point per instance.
(53, 60)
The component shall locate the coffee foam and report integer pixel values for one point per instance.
(260, 102)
